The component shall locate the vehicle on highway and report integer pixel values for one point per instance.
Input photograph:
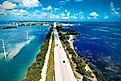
(63, 61)
(56, 44)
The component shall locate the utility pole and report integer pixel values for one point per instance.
(3, 45)
(27, 36)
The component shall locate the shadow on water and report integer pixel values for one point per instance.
(15, 69)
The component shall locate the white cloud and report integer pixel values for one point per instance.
(73, 16)
(2, 12)
(20, 12)
(88, 17)
(106, 17)
(56, 9)
(53, 16)
(65, 15)
(76, 16)
(7, 5)
(27, 3)
(63, 2)
(68, 14)
(30, 3)
(62, 15)
(37, 11)
(24, 12)
(94, 15)
(114, 11)
(81, 16)
(78, 0)
(66, 11)
(43, 14)
(15, 12)
(47, 8)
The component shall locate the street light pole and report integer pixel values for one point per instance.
(27, 36)
(3, 45)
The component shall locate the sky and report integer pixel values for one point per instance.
(60, 10)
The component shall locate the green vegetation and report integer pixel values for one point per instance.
(80, 63)
(50, 70)
(70, 32)
(86, 79)
(34, 72)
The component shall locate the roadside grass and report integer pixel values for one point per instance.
(50, 74)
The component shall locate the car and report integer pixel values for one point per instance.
(63, 61)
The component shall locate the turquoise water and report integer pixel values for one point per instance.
(15, 69)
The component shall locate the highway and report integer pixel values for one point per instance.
(63, 70)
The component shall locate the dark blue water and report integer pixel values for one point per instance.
(100, 44)
(15, 69)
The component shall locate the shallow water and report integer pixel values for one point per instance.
(15, 69)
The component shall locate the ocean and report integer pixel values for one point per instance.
(16, 68)
(99, 44)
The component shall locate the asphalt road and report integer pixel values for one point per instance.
(63, 70)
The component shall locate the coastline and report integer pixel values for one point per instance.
(71, 41)
(34, 72)
(45, 66)
(87, 68)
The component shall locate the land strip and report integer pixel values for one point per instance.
(44, 69)
(35, 70)
(81, 70)
(63, 70)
